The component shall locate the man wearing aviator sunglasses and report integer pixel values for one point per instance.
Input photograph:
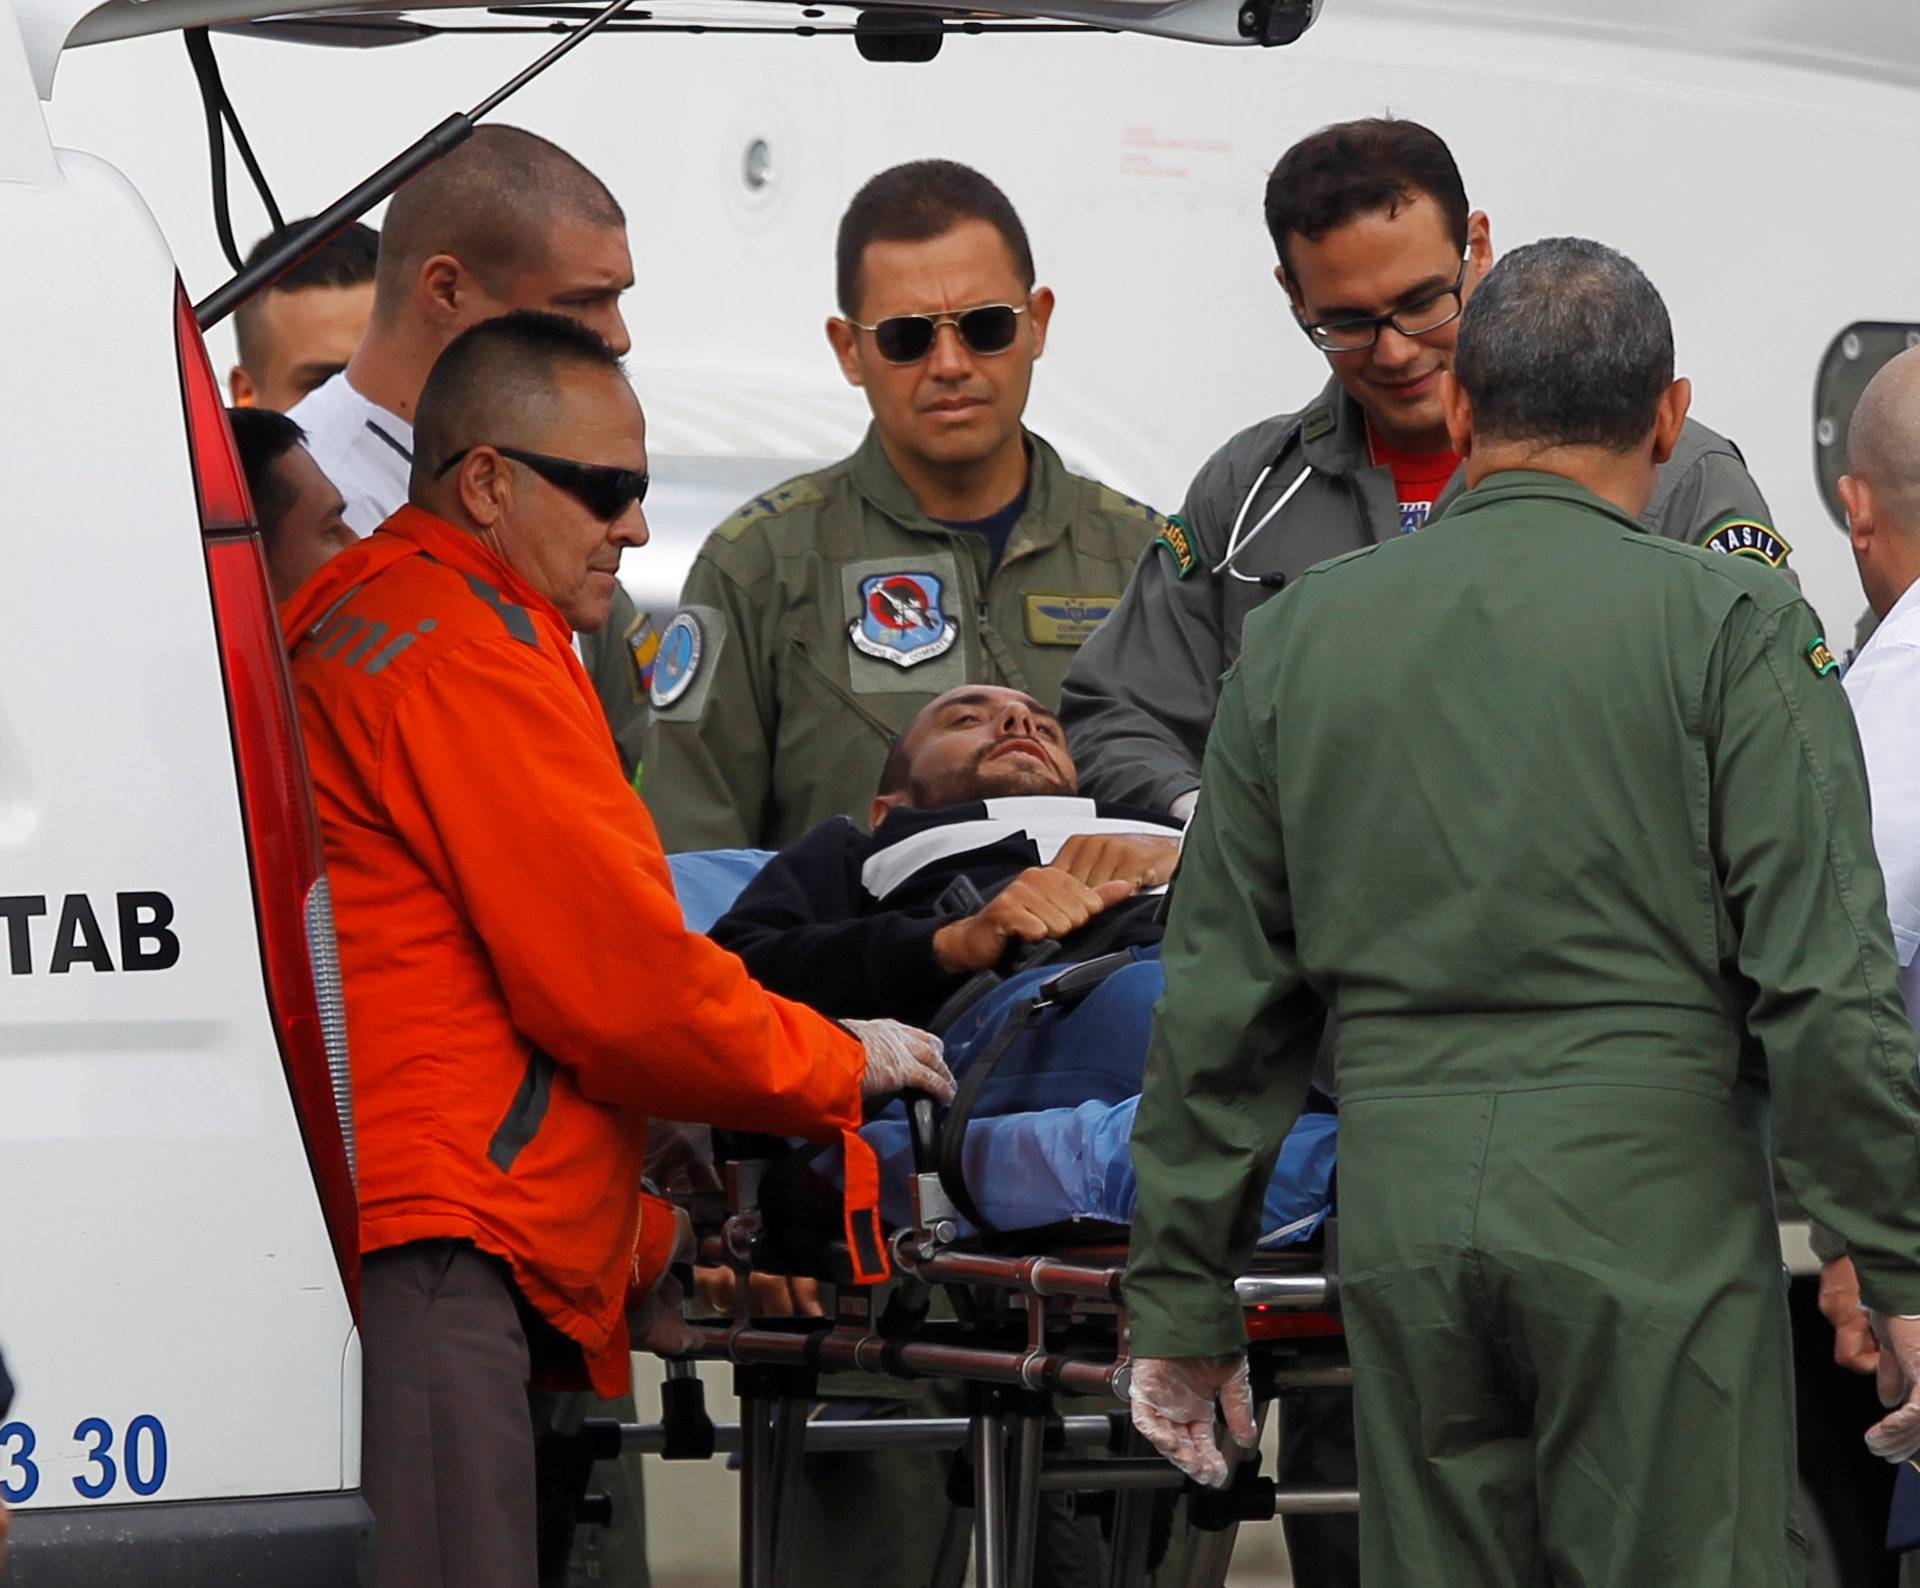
(953, 548)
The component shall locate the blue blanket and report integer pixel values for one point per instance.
(1049, 1140)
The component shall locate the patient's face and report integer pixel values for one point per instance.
(983, 742)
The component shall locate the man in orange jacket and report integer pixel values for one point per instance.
(520, 990)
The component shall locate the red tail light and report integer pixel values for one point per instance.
(291, 900)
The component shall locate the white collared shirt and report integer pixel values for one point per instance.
(363, 448)
(1884, 686)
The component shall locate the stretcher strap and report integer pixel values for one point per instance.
(953, 1134)
(865, 1245)
(1059, 993)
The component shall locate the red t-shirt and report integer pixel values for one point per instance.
(1418, 478)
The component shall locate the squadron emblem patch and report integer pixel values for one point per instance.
(901, 620)
(676, 661)
(1820, 658)
(1179, 546)
(1745, 537)
(1066, 619)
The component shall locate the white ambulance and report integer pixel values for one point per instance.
(178, 1255)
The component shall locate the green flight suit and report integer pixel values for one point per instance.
(821, 617)
(1139, 698)
(1566, 826)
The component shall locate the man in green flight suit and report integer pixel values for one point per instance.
(952, 548)
(1606, 884)
(1378, 250)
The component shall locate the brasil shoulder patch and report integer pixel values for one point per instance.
(1747, 537)
(1173, 535)
(1820, 658)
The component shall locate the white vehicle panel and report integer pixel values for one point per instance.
(1754, 191)
(164, 1256)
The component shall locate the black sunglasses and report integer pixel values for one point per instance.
(908, 338)
(605, 491)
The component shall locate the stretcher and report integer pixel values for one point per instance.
(1023, 1318)
(1032, 1318)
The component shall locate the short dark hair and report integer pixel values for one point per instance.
(1355, 168)
(346, 259)
(914, 203)
(896, 772)
(493, 372)
(264, 438)
(1565, 343)
(490, 203)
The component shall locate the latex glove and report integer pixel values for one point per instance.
(1853, 1343)
(1173, 1400)
(1897, 1435)
(659, 1323)
(901, 1056)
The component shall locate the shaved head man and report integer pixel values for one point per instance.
(533, 441)
(1881, 492)
(506, 221)
(1881, 488)
(495, 882)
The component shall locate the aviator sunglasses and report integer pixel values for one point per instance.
(908, 338)
(603, 490)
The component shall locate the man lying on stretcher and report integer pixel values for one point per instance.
(981, 859)
(978, 848)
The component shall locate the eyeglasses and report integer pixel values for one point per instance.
(1410, 319)
(908, 338)
(603, 490)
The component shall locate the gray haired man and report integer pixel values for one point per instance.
(1619, 886)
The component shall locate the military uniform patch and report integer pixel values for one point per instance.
(1820, 658)
(1066, 619)
(1317, 422)
(901, 620)
(643, 645)
(676, 661)
(1179, 546)
(1745, 537)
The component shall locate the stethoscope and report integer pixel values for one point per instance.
(1237, 543)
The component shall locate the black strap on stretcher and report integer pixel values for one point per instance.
(948, 1150)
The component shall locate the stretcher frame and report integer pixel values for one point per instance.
(1033, 1325)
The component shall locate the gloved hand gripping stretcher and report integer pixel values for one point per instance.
(1008, 1244)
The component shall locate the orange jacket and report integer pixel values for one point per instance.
(520, 989)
